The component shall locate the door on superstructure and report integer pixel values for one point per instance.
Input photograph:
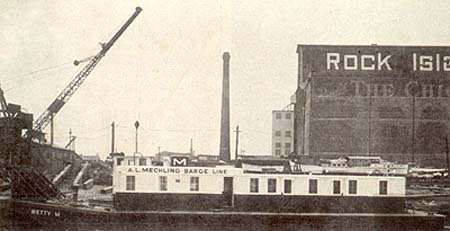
(228, 191)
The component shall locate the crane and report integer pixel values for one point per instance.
(43, 120)
(4, 106)
(10, 110)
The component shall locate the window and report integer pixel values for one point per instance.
(288, 116)
(287, 134)
(130, 162)
(254, 185)
(272, 185)
(287, 145)
(278, 152)
(287, 152)
(119, 161)
(383, 187)
(352, 187)
(336, 187)
(313, 186)
(142, 161)
(131, 183)
(278, 116)
(163, 183)
(277, 133)
(287, 186)
(278, 145)
(194, 183)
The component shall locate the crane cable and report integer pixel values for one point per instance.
(33, 73)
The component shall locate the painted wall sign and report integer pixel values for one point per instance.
(179, 161)
(42, 212)
(388, 88)
(379, 61)
(374, 61)
(181, 171)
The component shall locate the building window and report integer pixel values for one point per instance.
(278, 152)
(278, 116)
(336, 187)
(142, 161)
(194, 183)
(163, 183)
(287, 134)
(130, 162)
(287, 186)
(288, 116)
(131, 183)
(272, 185)
(383, 187)
(352, 187)
(254, 185)
(119, 161)
(277, 133)
(287, 152)
(278, 145)
(287, 145)
(313, 186)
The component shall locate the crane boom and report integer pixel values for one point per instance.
(73, 86)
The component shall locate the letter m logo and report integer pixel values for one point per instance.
(179, 161)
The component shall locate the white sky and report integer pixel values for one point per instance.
(166, 69)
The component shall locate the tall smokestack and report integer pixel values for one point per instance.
(225, 152)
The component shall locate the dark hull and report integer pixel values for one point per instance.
(51, 214)
(260, 203)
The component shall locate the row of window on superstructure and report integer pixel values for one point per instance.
(313, 186)
(163, 183)
(271, 185)
(133, 162)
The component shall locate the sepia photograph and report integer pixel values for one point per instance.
(224, 115)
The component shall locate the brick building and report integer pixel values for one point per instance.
(282, 132)
(387, 101)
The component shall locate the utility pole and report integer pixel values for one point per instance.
(51, 129)
(447, 150)
(70, 139)
(159, 154)
(73, 143)
(136, 125)
(113, 134)
(237, 142)
(414, 128)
